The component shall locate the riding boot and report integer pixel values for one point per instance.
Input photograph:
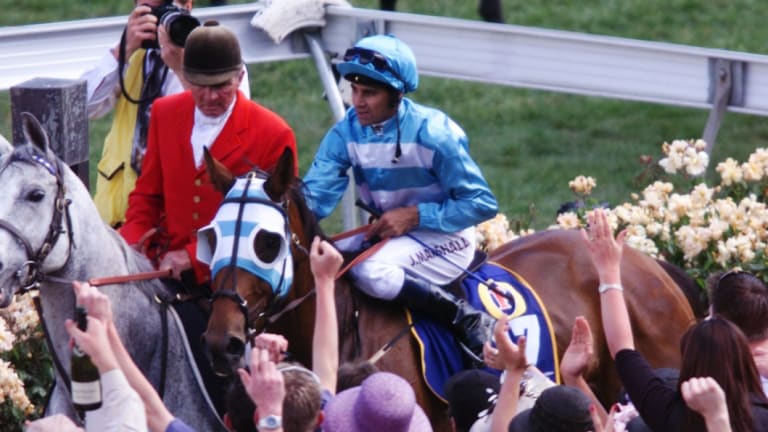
(471, 326)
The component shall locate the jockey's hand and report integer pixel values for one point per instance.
(95, 302)
(275, 344)
(264, 384)
(142, 25)
(176, 261)
(394, 223)
(580, 352)
(491, 357)
(325, 261)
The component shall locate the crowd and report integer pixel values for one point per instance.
(411, 163)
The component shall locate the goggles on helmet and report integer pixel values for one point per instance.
(365, 56)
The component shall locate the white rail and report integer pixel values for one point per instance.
(461, 49)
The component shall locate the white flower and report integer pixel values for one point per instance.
(730, 172)
(582, 185)
(568, 220)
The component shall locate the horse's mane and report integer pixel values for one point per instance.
(297, 193)
(138, 263)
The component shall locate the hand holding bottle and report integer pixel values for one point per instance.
(94, 342)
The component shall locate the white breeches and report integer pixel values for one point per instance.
(383, 273)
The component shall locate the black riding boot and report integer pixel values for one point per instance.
(471, 326)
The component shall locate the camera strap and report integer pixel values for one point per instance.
(145, 96)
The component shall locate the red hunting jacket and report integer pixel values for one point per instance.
(173, 192)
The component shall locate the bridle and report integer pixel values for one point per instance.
(229, 291)
(31, 274)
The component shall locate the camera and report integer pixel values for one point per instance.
(177, 21)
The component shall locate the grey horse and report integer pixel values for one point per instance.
(43, 202)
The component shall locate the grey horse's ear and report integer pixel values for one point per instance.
(36, 135)
(5, 146)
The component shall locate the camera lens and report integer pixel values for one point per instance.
(179, 25)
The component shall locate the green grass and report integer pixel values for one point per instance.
(528, 143)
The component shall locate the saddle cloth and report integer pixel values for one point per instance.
(441, 356)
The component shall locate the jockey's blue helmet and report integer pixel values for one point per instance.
(382, 58)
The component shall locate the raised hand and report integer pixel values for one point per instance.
(580, 352)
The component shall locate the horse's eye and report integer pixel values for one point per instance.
(267, 245)
(36, 195)
(210, 237)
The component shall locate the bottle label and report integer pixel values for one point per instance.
(86, 393)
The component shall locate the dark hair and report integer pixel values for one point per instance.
(352, 374)
(706, 349)
(240, 407)
(741, 298)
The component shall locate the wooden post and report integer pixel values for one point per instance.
(60, 107)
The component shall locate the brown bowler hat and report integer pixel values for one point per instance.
(211, 55)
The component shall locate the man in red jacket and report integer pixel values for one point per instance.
(173, 193)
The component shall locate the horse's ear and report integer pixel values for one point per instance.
(221, 177)
(35, 134)
(278, 183)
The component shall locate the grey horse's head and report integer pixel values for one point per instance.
(29, 176)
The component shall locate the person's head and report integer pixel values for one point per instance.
(470, 394)
(213, 67)
(558, 409)
(384, 402)
(717, 348)
(352, 374)
(742, 299)
(302, 401)
(302, 398)
(380, 69)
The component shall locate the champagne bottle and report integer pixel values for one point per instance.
(86, 383)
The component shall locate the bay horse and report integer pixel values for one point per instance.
(50, 235)
(552, 262)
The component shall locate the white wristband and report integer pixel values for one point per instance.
(605, 287)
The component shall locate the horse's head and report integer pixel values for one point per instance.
(32, 212)
(249, 247)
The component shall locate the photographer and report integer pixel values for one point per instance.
(151, 67)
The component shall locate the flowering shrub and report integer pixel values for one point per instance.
(25, 367)
(681, 219)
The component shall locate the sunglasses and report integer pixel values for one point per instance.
(365, 56)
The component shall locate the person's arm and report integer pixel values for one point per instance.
(157, 415)
(606, 256)
(327, 177)
(576, 360)
(512, 356)
(706, 397)
(325, 261)
(121, 409)
(102, 80)
(264, 385)
(469, 200)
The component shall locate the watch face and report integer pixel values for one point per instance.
(270, 422)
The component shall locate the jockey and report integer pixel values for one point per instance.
(411, 163)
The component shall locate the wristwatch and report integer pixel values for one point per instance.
(270, 422)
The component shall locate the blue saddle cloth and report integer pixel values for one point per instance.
(441, 355)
